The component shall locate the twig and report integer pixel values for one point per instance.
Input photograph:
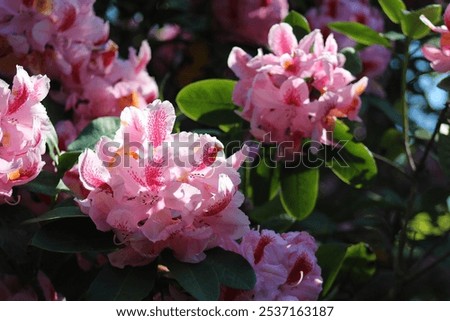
(433, 137)
(392, 164)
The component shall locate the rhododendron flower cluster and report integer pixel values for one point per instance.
(374, 58)
(298, 90)
(12, 289)
(158, 190)
(285, 266)
(24, 126)
(439, 57)
(65, 40)
(250, 20)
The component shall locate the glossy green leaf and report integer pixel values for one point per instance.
(66, 161)
(299, 24)
(73, 235)
(264, 180)
(394, 36)
(52, 144)
(349, 160)
(200, 279)
(330, 258)
(209, 102)
(272, 215)
(352, 60)
(299, 190)
(58, 213)
(360, 33)
(413, 27)
(359, 264)
(103, 126)
(393, 9)
(231, 269)
(356, 262)
(127, 284)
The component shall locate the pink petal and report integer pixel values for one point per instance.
(237, 61)
(282, 39)
(20, 90)
(92, 172)
(160, 121)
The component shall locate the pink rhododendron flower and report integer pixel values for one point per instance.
(11, 289)
(298, 90)
(158, 190)
(67, 41)
(248, 20)
(285, 266)
(439, 57)
(375, 58)
(24, 126)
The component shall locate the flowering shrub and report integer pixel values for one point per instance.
(285, 266)
(171, 191)
(440, 58)
(374, 58)
(300, 150)
(24, 126)
(67, 41)
(298, 91)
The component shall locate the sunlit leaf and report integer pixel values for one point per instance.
(209, 102)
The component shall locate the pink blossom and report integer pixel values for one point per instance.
(159, 190)
(67, 41)
(375, 61)
(24, 125)
(12, 289)
(439, 57)
(285, 266)
(298, 90)
(248, 21)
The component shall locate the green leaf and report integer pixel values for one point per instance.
(299, 190)
(52, 144)
(45, 183)
(360, 33)
(127, 284)
(394, 36)
(356, 262)
(200, 279)
(209, 102)
(413, 27)
(298, 23)
(58, 213)
(351, 161)
(391, 144)
(359, 264)
(272, 215)
(264, 180)
(73, 235)
(352, 60)
(66, 161)
(330, 258)
(231, 269)
(103, 126)
(393, 9)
